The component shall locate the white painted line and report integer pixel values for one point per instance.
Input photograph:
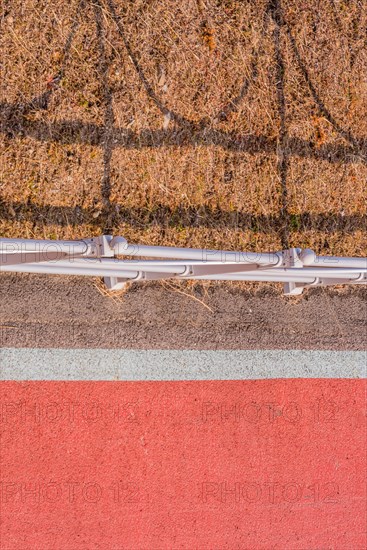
(124, 364)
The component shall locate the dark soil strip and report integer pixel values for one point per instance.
(41, 311)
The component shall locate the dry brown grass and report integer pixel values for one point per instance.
(249, 132)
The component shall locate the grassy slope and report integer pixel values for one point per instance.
(241, 124)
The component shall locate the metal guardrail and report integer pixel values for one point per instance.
(120, 262)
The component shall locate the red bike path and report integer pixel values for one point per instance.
(243, 464)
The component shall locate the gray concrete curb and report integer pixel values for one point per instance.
(112, 364)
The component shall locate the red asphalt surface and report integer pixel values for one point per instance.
(268, 464)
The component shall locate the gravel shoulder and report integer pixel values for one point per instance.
(56, 312)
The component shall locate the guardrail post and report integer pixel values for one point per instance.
(291, 259)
